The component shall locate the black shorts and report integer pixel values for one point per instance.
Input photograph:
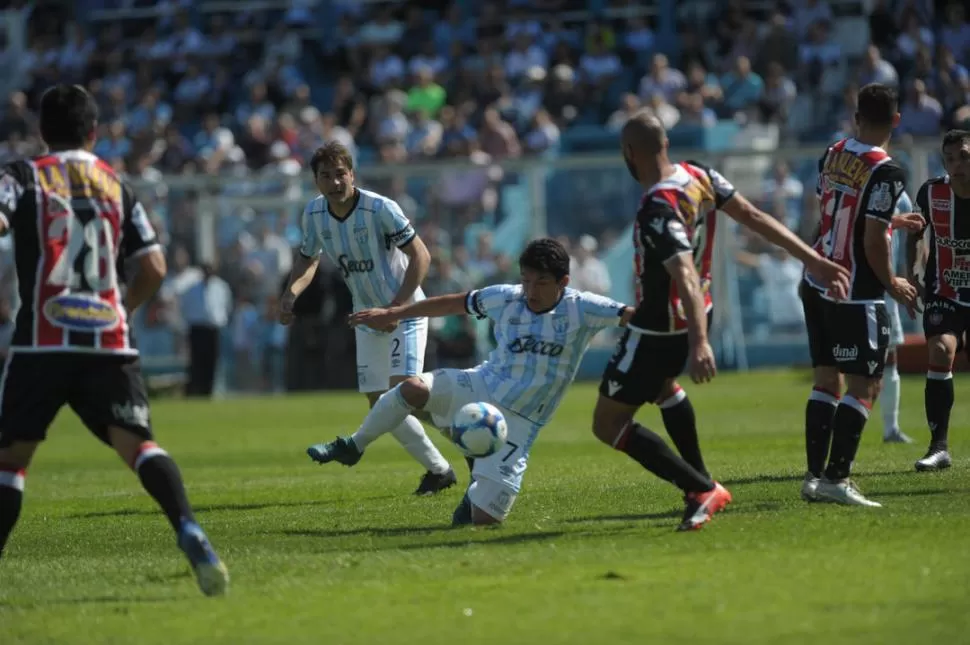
(942, 316)
(642, 364)
(854, 337)
(102, 390)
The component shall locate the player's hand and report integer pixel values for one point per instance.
(377, 319)
(916, 284)
(701, 367)
(910, 222)
(834, 277)
(286, 308)
(905, 294)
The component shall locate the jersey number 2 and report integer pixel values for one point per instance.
(86, 263)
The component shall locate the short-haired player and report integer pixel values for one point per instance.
(383, 262)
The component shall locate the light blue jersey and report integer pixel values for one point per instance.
(904, 205)
(537, 355)
(365, 246)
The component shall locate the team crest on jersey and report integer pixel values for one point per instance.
(326, 234)
(361, 234)
(80, 312)
(560, 323)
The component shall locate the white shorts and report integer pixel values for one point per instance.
(895, 324)
(496, 480)
(398, 353)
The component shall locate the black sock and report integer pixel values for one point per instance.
(938, 399)
(162, 480)
(11, 500)
(471, 464)
(681, 425)
(819, 417)
(649, 450)
(850, 419)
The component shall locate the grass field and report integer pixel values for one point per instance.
(589, 555)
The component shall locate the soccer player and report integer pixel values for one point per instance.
(542, 330)
(944, 203)
(859, 186)
(383, 262)
(889, 397)
(674, 239)
(76, 223)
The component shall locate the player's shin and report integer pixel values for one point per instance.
(939, 402)
(819, 419)
(412, 437)
(387, 415)
(162, 480)
(889, 401)
(681, 424)
(850, 420)
(11, 500)
(650, 451)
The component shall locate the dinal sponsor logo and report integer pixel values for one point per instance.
(80, 312)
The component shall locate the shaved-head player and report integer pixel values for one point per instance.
(674, 242)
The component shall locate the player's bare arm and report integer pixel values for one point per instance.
(878, 248)
(829, 273)
(301, 277)
(449, 305)
(684, 275)
(148, 279)
(909, 222)
(419, 261)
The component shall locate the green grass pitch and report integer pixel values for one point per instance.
(340, 556)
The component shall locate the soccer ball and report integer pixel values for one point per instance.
(479, 429)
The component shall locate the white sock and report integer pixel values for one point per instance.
(889, 400)
(388, 413)
(413, 438)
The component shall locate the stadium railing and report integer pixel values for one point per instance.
(757, 317)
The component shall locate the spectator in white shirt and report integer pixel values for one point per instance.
(662, 79)
(587, 272)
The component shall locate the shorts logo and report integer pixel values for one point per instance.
(131, 415)
(395, 362)
(80, 312)
(612, 387)
(872, 366)
(885, 331)
(361, 375)
(501, 504)
(506, 471)
(464, 381)
(843, 354)
(935, 318)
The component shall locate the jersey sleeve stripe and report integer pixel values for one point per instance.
(145, 249)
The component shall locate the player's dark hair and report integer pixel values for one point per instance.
(878, 105)
(68, 116)
(331, 154)
(546, 255)
(955, 137)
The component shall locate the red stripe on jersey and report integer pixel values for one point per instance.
(78, 255)
(941, 218)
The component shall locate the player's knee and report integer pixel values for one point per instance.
(863, 387)
(942, 350)
(415, 392)
(18, 455)
(828, 379)
(608, 424)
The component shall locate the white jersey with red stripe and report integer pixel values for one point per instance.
(75, 222)
(947, 238)
(857, 183)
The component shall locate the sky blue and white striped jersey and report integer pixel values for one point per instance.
(365, 247)
(537, 355)
(903, 205)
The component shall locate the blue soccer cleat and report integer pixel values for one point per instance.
(343, 450)
(210, 572)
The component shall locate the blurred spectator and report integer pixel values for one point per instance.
(742, 89)
(588, 273)
(876, 69)
(663, 80)
(426, 95)
(920, 113)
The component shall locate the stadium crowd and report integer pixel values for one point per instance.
(248, 94)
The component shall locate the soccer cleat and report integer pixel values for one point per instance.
(934, 460)
(433, 483)
(700, 507)
(210, 572)
(843, 491)
(810, 488)
(343, 450)
(463, 513)
(896, 436)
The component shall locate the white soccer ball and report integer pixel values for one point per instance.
(479, 429)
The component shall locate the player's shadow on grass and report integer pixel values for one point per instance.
(204, 508)
(734, 509)
(790, 477)
(456, 537)
(92, 600)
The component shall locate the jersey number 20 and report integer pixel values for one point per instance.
(86, 263)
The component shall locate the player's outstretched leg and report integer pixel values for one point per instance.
(681, 425)
(613, 424)
(850, 420)
(14, 461)
(160, 477)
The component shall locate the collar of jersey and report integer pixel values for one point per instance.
(545, 311)
(350, 212)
